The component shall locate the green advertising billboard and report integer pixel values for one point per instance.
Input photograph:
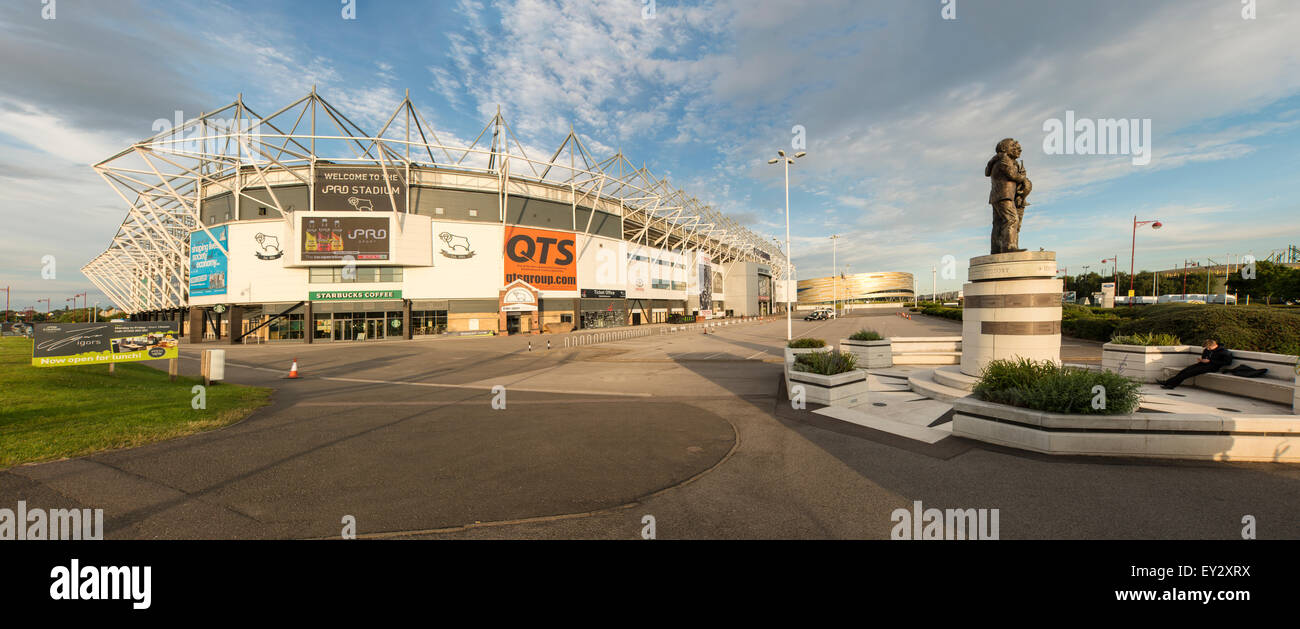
(64, 344)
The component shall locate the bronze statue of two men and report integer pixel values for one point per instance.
(1010, 187)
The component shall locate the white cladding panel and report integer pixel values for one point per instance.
(467, 263)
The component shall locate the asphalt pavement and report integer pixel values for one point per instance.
(686, 427)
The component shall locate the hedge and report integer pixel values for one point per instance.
(943, 311)
(1246, 328)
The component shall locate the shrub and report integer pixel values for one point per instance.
(866, 335)
(805, 343)
(825, 363)
(1150, 338)
(1047, 386)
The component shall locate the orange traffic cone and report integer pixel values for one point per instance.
(293, 371)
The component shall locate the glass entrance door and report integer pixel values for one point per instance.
(374, 329)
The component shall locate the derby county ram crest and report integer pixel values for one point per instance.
(268, 247)
(454, 246)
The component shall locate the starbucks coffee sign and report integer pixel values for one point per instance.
(353, 295)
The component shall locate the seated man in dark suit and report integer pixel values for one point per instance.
(1213, 358)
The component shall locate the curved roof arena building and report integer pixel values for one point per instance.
(302, 225)
(856, 287)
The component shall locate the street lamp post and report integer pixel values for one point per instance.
(47, 306)
(835, 274)
(786, 161)
(1115, 261)
(1156, 224)
(1187, 264)
(846, 277)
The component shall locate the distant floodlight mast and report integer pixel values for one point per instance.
(789, 325)
(835, 273)
(1156, 224)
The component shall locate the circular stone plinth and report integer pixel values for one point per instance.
(1009, 319)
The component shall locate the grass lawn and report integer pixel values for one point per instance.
(55, 412)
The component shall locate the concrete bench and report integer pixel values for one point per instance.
(1278, 385)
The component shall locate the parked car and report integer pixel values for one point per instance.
(816, 315)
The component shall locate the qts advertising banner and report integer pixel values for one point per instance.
(208, 263)
(543, 258)
(63, 344)
(334, 238)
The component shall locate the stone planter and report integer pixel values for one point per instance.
(842, 389)
(870, 354)
(1223, 436)
(1147, 363)
(791, 352)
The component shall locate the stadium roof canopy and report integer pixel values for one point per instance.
(161, 180)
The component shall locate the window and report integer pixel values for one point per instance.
(288, 327)
(566, 318)
(667, 285)
(439, 211)
(425, 322)
(473, 212)
(362, 274)
(261, 211)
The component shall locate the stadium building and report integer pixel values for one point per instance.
(301, 226)
(856, 288)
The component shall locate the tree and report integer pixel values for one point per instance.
(1271, 282)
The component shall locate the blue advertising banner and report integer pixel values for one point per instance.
(208, 263)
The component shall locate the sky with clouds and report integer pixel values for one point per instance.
(901, 110)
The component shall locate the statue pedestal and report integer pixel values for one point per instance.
(1012, 309)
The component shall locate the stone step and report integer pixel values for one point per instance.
(922, 383)
(928, 358)
(951, 376)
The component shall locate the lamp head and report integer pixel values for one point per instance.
(801, 153)
(772, 161)
(1157, 225)
(781, 153)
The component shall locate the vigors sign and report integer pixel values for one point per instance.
(543, 258)
(342, 188)
(62, 344)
